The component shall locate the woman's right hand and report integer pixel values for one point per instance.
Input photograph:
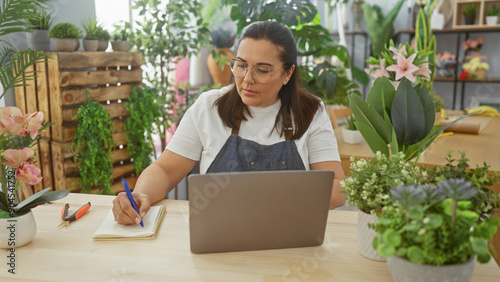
(124, 212)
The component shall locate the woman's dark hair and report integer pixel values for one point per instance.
(293, 97)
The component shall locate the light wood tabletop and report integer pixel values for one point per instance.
(70, 254)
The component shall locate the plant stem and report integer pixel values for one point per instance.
(453, 219)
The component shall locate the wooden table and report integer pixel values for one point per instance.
(70, 254)
(479, 148)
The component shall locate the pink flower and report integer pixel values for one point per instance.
(401, 51)
(28, 174)
(33, 123)
(404, 68)
(424, 71)
(11, 120)
(377, 71)
(14, 158)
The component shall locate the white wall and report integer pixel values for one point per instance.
(73, 11)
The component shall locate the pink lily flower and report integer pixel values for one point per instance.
(404, 68)
(401, 51)
(379, 70)
(424, 71)
(28, 174)
(14, 158)
(9, 120)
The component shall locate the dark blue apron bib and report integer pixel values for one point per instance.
(240, 154)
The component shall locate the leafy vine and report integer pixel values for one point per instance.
(92, 146)
(144, 112)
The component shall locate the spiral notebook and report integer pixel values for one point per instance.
(111, 230)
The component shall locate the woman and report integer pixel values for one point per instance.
(264, 121)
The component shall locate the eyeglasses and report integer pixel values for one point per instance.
(261, 74)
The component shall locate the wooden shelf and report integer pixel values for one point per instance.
(482, 11)
(452, 79)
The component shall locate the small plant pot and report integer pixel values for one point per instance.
(470, 20)
(352, 136)
(366, 235)
(90, 45)
(38, 40)
(491, 20)
(17, 231)
(103, 45)
(404, 270)
(66, 44)
(121, 45)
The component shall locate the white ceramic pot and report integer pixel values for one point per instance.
(17, 231)
(366, 235)
(491, 20)
(120, 45)
(90, 45)
(38, 40)
(66, 44)
(352, 136)
(198, 70)
(403, 270)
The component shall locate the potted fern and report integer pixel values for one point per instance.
(38, 37)
(90, 40)
(432, 233)
(65, 36)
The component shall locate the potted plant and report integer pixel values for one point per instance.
(492, 16)
(432, 233)
(90, 40)
(121, 37)
(103, 37)
(350, 132)
(38, 37)
(368, 185)
(20, 134)
(439, 105)
(65, 36)
(470, 11)
(221, 55)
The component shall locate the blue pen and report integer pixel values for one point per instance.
(130, 197)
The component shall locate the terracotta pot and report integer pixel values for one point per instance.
(404, 270)
(66, 44)
(224, 75)
(17, 231)
(366, 235)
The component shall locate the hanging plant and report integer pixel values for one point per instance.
(92, 146)
(144, 113)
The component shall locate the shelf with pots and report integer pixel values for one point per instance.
(476, 14)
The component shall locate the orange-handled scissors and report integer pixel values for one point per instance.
(76, 215)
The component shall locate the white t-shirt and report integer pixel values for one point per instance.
(201, 132)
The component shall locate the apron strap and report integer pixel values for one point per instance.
(287, 124)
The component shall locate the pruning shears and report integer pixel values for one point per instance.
(76, 215)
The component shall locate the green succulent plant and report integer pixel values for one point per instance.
(91, 27)
(41, 20)
(64, 30)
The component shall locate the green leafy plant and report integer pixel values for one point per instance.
(403, 119)
(91, 146)
(122, 32)
(379, 28)
(91, 27)
(14, 17)
(222, 38)
(434, 225)
(313, 40)
(493, 11)
(425, 41)
(102, 34)
(470, 10)
(350, 123)
(438, 102)
(41, 20)
(343, 88)
(145, 112)
(370, 180)
(64, 30)
(165, 34)
(481, 177)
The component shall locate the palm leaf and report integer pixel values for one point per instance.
(15, 74)
(14, 15)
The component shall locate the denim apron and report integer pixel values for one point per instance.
(240, 154)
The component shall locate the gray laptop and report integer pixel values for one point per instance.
(243, 211)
